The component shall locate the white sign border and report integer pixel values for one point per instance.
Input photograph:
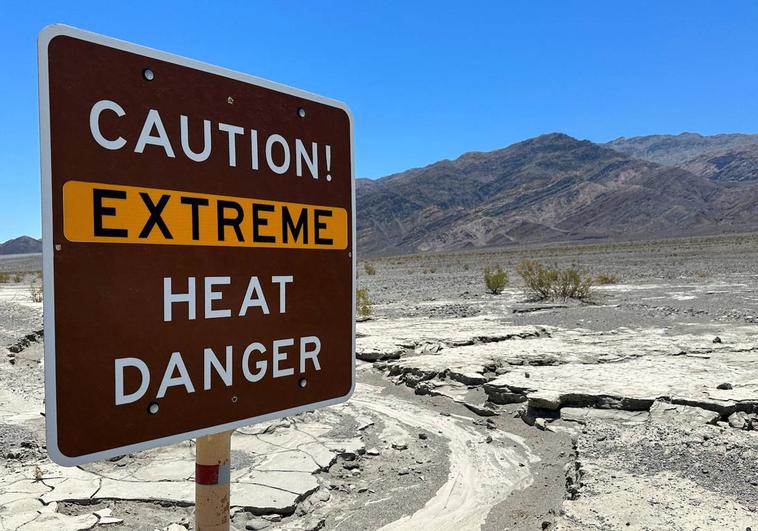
(45, 37)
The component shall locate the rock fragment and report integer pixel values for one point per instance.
(741, 421)
(257, 523)
(663, 411)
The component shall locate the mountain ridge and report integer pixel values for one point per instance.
(548, 188)
(21, 245)
(674, 150)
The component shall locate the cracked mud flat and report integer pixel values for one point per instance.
(472, 411)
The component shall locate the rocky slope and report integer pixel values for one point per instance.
(675, 150)
(549, 188)
(732, 165)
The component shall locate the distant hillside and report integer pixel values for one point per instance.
(21, 245)
(549, 188)
(737, 164)
(674, 150)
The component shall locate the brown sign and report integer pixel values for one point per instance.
(198, 247)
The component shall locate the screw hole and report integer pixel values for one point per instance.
(148, 74)
(301, 112)
(303, 383)
(234, 399)
(153, 408)
(230, 100)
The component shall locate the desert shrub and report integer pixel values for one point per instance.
(35, 292)
(495, 279)
(603, 279)
(573, 284)
(18, 278)
(5, 277)
(543, 282)
(465, 267)
(362, 303)
(369, 268)
(538, 279)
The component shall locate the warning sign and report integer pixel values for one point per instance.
(198, 232)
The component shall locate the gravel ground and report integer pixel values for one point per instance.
(438, 436)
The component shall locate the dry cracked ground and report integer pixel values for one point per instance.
(638, 410)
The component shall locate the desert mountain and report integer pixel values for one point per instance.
(675, 150)
(738, 164)
(549, 188)
(21, 245)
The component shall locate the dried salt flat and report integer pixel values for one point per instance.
(637, 383)
(274, 469)
(389, 339)
(562, 351)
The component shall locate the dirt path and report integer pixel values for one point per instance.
(481, 474)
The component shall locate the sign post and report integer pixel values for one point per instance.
(198, 252)
(212, 474)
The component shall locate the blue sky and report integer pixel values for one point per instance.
(425, 80)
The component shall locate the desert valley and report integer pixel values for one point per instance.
(626, 399)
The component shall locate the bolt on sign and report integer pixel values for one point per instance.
(199, 232)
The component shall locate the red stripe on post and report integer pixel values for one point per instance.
(206, 474)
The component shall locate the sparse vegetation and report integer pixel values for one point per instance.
(369, 268)
(35, 291)
(6, 278)
(604, 279)
(543, 282)
(362, 303)
(495, 279)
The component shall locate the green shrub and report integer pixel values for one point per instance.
(604, 279)
(362, 303)
(5, 277)
(544, 282)
(18, 278)
(369, 268)
(495, 279)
